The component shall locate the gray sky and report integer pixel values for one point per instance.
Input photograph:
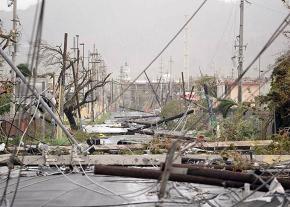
(136, 30)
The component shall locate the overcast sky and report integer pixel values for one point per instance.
(136, 30)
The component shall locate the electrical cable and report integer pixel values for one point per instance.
(37, 182)
(261, 186)
(113, 193)
(17, 150)
(139, 203)
(155, 58)
(100, 186)
(276, 33)
(61, 194)
(223, 34)
(21, 139)
(39, 29)
(78, 184)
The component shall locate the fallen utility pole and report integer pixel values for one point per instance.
(156, 174)
(35, 92)
(163, 120)
(103, 159)
(137, 117)
(131, 109)
(226, 175)
(220, 167)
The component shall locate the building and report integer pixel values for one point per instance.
(251, 88)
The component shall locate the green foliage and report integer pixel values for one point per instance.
(131, 152)
(5, 103)
(173, 108)
(63, 141)
(211, 83)
(278, 98)
(24, 69)
(280, 146)
(81, 136)
(225, 105)
(238, 127)
(197, 122)
(101, 119)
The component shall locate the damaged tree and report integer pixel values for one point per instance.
(77, 91)
(278, 99)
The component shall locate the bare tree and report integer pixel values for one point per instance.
(74, 94)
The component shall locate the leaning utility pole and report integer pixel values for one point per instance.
(241, 50)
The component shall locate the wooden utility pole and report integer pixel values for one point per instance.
(241, 51)
(62, 85)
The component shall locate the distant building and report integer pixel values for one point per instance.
(251, 88)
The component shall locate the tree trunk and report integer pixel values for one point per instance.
(71, 119)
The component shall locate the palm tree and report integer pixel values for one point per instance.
(225, 105)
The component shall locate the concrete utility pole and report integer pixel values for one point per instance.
(94, 77)
(171, 77)
(62, 85)
(186, 55)
(241, 50)
(161, 83)
(75, 77)
(103, 75)
(14, 33)
(83, 57)
(112, 94)
(14, 36)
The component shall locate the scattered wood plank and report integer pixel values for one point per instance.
(235, 144)
(269, 159)
(124, 160)
(99, 148)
